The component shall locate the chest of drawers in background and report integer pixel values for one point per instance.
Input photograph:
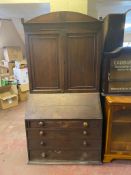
(66, 130)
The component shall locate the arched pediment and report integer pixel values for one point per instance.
(62, 17)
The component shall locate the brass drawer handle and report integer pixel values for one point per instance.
(41, 133)
(42, 143)
(85, 143)
(84, 132)
(43, 155)
(85, 124)
(41, 123)
(123, 107)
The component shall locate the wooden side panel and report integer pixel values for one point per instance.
(44, 62)
(113, 26)
(81, 61)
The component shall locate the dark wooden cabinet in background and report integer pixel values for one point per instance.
(116, 77)
(64, 52)
(115, 70)
(113, 31)
(115, 83)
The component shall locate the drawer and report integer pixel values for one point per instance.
(121, 113)
(86, 144)
(121, 107)
(62, 155)
(94, 133)
(63, 124)
(123, 147)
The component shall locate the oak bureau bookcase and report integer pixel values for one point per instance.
(63, 116)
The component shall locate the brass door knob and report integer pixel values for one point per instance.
(123, 107)
(84, 132)
(41, 133)
(41, 123)
(42, 143)
(85, 124)
(43, 155)
(85, 143)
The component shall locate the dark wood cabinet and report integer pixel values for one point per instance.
(113, 31)
(118, 128)
(116, 76)
(64, 128)
(116, 60)
(64, 52)
(115, 83)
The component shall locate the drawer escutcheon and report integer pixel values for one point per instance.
(85, 124)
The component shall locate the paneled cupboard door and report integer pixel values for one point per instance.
(64, 52)
(63, 62)
(45, 62)
(81, 62)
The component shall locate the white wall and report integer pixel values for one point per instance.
(9, 36)
(92, 8)
(127, 35)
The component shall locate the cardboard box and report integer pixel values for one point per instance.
(14, 89)
(21, 64)
(5, 89)
(13, 53)
(4, 63)
(10, 68)
(21, 75)
(8, 100)
(23, 92)
(0, 81)
(3, 69)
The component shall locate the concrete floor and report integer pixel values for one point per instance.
(13, 153)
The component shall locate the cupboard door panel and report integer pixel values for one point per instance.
(81, 62)
(45, 62)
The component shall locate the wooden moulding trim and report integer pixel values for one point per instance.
(62, 17)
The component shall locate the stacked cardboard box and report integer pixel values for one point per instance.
(21, 72)
(21, 75)
(8, 97)
(3, 69)
(23, 92)
(14, 81)
(3, 73)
